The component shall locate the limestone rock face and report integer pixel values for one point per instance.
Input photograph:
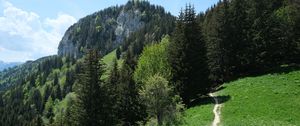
(102, 30)
(132, 25)
(128, 22)
(67, 47)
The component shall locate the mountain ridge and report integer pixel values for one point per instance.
(107, 29)
(5, 65)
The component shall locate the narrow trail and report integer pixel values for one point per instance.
(217, 110)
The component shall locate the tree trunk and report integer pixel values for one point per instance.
(159, 118)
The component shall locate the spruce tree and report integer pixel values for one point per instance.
(68, 83)
(130, 109)
(219, 45)
(58, 93)
(239, 54)
(47, 93)
(187, 57)
(118, 53)
(112, 87)
(89, 105)
(36, 100)
(56, 80)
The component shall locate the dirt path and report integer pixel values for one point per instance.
(217, 110)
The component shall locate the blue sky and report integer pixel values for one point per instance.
(30, 29)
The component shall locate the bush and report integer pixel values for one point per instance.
(161, 102)
(153, 61)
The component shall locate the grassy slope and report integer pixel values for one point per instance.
(201, 115)
(254, 101)
(265, 100)
(108, 61)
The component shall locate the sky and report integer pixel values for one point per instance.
(30, 29)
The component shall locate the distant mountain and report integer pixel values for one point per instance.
(134, 24)
(5, 65)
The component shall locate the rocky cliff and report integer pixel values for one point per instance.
(107, 29)
(104, 30)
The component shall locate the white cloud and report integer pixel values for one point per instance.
(12, 56)
(29, 34)
(60, 23)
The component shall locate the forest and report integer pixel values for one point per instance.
(155, 73)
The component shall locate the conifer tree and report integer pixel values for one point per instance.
(187, 57)
(113, 93)
(131, 110)
(90, 102)
(68, 83)
(218, 43)
(36, 100)
(118, 53)
(47, 93)
(55, 81)
(58, 93)
(239, 41)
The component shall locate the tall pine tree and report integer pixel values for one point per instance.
(187, 57)
(112, 87)
(130, 109)
(90, 103)
(217, 31)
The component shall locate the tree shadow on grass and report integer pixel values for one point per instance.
(282, 69)
(218, 88)
(205, 100)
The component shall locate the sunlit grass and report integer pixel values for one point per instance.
(265, 100)
(200, 115)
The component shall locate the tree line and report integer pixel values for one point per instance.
(250, 37)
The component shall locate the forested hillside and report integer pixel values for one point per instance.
(157, 65)
(36, 92)
(250, 37)
(134, 24)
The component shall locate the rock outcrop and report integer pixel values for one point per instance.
(135, 24)
(104, 30)
(128, 22)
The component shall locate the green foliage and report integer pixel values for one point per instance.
(217, 34)
(113, 92)
(153, 61)
(67, 117)
(249, 37)
(90, 112)
(98, 28)
(118, 53)
(131, 110)
(187, 57)
(78, 29)
(36, 100)
(29, 89)
(69, 81)
(48, 111)
(160, 100)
